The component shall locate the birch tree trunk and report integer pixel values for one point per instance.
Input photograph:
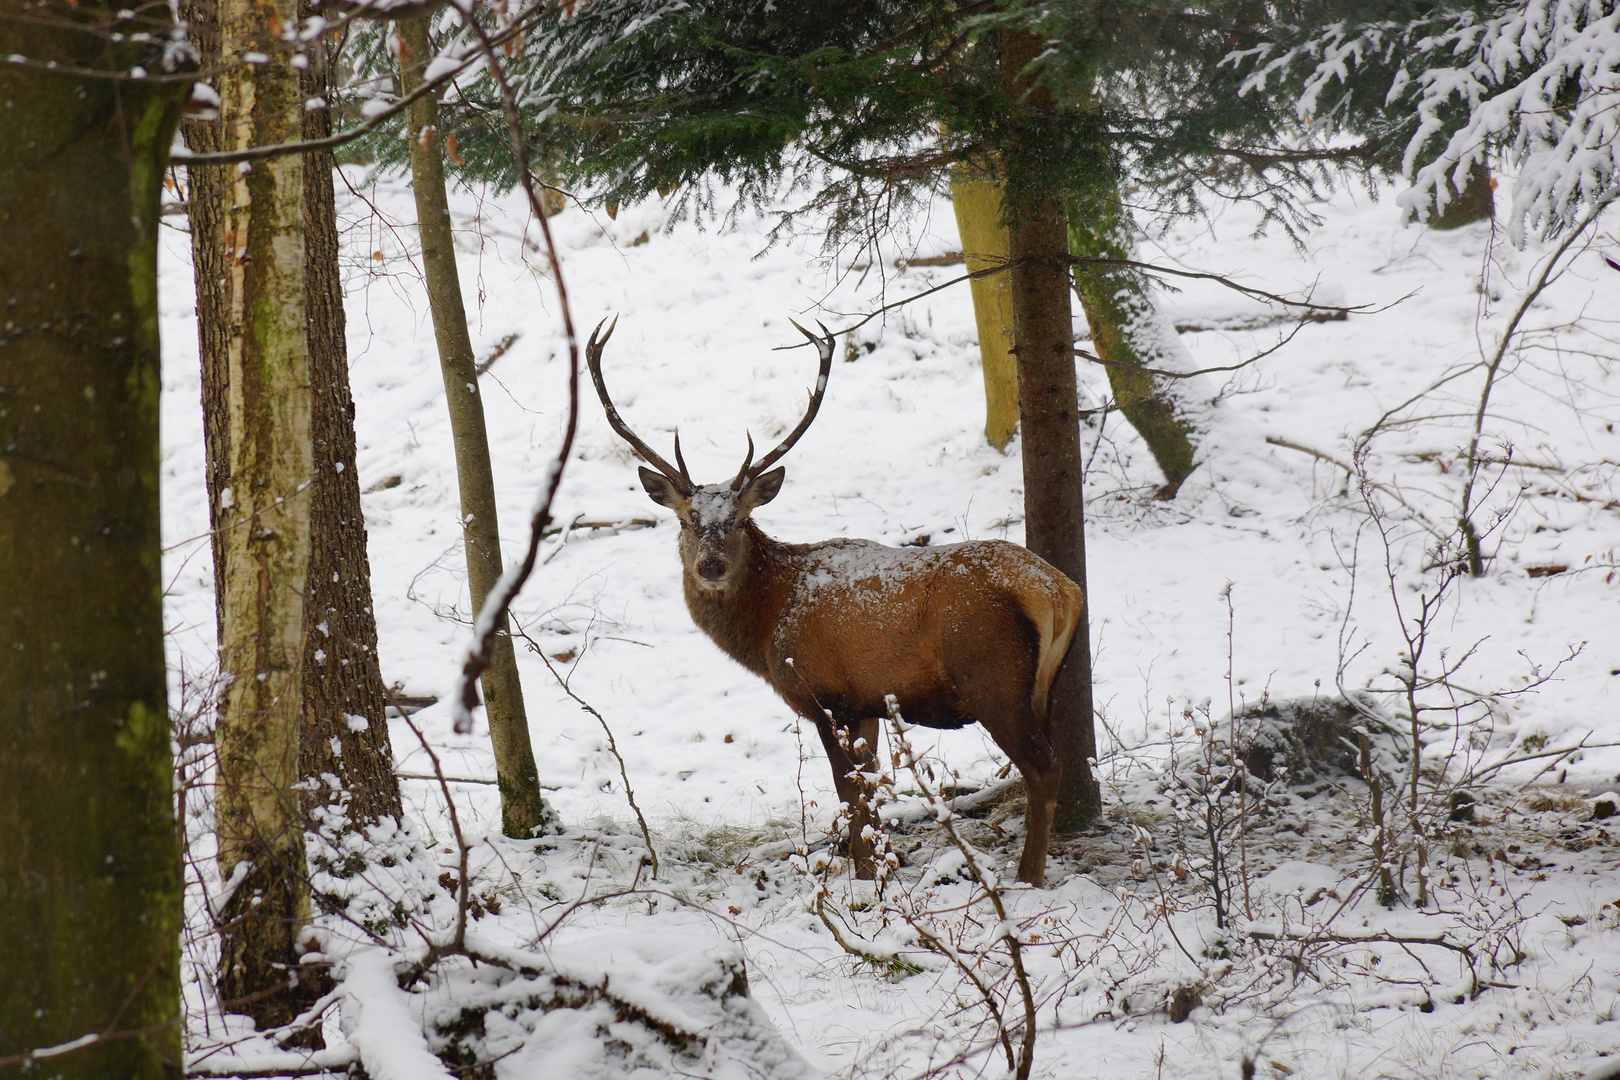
(1130, 333)
(90, 887)
(984, 246)
(1049, 418)
(523, 808)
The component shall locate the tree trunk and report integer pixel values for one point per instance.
(1129, 333)
(1477, 202)
(523, 809)
(279, 417)
(984, 246)
(344, 697)
(1049, 417)
(90, 886)
(263, 520)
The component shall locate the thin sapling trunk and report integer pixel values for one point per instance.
(523, 809)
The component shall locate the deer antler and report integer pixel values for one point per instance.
(593, 358)
(824, 345)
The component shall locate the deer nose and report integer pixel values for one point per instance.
(711, 569)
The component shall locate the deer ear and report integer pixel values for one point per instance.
(762, 489)
(660, 489)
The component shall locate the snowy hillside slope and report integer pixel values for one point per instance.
(897, 455)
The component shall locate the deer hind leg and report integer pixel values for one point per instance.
(993, 684)
(1042, 787)
(851, 756)
(1022, 739)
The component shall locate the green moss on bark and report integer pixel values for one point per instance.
(1128, 333)
(90, 884)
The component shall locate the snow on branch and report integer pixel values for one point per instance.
(1540, 78)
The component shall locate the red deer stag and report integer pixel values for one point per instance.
(959, 634)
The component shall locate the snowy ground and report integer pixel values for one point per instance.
(897, 453)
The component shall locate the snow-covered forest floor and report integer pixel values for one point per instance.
(1266, 580)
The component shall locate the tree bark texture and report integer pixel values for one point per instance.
(523, 809)
(1477, 202)
(264, 519)
(1049, 418)
(1129, 333)
(345, 745)
(90, 884)
(984, 246)
(326, 725)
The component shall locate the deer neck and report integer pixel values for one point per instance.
(742, 617)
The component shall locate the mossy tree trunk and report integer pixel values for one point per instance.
(523, 809)
(1129, 333)
(262, 518)
(294, 598)
(1049, 419)
(984, 246)
(90, 886)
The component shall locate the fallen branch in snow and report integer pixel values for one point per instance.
(908, 812)
(1314, 312)
(1428, 526)
(335, 1062)
(1323, 938)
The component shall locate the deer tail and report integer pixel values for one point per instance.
(1055, 612)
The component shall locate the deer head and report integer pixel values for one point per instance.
(713, 540)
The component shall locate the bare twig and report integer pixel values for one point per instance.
(1006, 929)
(110, 1033)
(501, 348)
(613, 748)
(463, 887)
(1476, 558)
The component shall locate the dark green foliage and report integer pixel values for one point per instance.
(861, 107)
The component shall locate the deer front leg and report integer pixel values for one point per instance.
(852, 750)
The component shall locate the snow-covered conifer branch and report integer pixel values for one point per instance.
(1537, 78)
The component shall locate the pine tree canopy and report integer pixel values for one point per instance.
(862, 108)
(865, 106)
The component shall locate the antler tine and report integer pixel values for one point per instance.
(593, 359)
(685, 475)
(742, 473)
(824, 345)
